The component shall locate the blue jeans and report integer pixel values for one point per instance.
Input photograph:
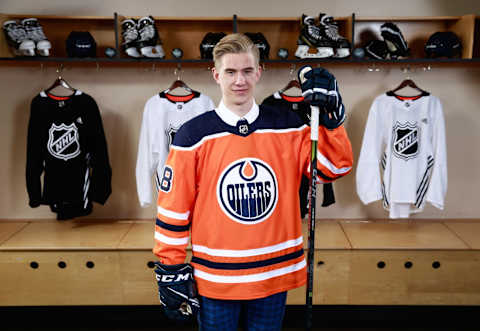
(253, 315)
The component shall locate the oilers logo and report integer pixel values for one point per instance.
(63, 141)
(247, 191)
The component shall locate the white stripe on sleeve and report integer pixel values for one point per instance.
(171, 241)
(173, 214)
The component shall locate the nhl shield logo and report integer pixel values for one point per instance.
(170, 134)
(405, 140)
(247, 191)
(63, 141)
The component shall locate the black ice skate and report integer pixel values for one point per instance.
(149, 43)
(130, 37)
(35, 32)
(17, 39)
(312, 36)
(330, 27)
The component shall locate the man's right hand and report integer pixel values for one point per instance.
(177, 291)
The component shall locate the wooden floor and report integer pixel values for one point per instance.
(357, 262)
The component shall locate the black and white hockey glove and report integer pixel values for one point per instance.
(319, 88)
(394, 40)
(177, 291)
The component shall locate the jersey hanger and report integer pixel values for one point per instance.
(179, 83)
(410, 83)
(292, 83)
(60, 82)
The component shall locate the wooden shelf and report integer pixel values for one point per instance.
(129, 61)
(187, 33)
(57, 29)
(417, 30)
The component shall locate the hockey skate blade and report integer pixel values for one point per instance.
(322, 52)
(341, 53)
(43, 48)
(133, 52)
(27, 48)
(153, 51)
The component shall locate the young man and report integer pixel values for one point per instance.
(232, 179)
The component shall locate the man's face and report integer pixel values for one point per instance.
(237, 76)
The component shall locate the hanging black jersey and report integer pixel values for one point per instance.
(66, 143)
(302, 109)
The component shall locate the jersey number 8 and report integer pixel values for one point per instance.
(166, 182)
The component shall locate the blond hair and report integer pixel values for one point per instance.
(235, 43)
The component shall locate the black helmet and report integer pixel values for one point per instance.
(261, 42)
(208, 43)
(443, 44)
(81, 44)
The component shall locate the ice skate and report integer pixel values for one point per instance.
(149, 43)
(35, 32)
(17, 39)
(312, 42)
(130, 38)
(330, 28)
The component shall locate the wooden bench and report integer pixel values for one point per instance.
(95, 262)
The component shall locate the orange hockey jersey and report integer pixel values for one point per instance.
(233, 188)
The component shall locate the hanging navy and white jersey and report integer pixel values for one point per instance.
(297, 105)
(66, 143)
(162, 117)
(403, 158)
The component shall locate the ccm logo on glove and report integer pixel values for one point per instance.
(172, 278)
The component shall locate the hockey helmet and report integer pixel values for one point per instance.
(208, 43)
(443, 44)
(261, 42)
(81, 44)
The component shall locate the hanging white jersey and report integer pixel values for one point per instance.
(162, 117)
(403, 158)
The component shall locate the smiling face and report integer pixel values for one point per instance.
(237, 74)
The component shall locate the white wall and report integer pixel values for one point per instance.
(243, 8)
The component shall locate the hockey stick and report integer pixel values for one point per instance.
(314, 121)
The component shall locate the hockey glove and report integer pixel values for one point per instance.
(177, 291)
(396, 43)
(319, 88)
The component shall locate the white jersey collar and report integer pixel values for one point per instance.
(231, 118)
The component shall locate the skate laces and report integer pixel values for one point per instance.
(36, 33)
(147, 32)
(331, 27)
(33, 29)
(314, 31)
(16, 32)
(130, 34)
